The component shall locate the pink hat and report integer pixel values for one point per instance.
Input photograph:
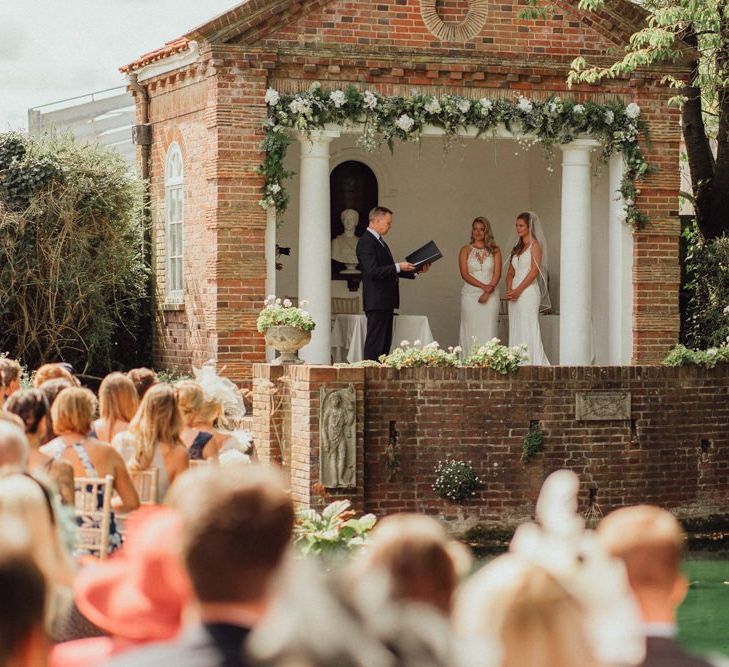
(140, 593)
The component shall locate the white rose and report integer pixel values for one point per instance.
(632, 111)
(272, 97)
(370, 100)
(432, 106)
(338, 98)
(609, 117)
(405, 123)
(524, 104)
(464, 106)
(486, 103)
(578, 109)
(275, 188)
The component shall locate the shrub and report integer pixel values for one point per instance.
(455, 480)
(684, 356)
(334, 531)
(278, 313)
(72, 274)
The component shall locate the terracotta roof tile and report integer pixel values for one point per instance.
(170, 48)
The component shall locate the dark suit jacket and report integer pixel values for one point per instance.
(212, 645)
(380, 289)
(662, 652)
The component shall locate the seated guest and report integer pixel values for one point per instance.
(52, 372)
(153, 438)
(23, 641)
(237, 526)
(118, 402)
(137, 597)
(72, 413)
(14, 447)
(31, 405)
(143, 379)
(9, 378)
(201, 444)
(650, 541)
(27, 501)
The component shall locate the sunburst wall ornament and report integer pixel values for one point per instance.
(455, 32)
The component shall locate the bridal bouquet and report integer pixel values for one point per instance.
(499, 357)
(282, 313)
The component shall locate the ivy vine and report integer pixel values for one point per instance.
(389, 119)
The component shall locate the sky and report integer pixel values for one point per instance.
(51, 50)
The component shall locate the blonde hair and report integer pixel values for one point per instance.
(488, 240)
(191, 399)
(419, 559)
(528, 612)
(118, 399)
(9, 372)
(73, 411)
(649, 540)
(23, 499)
(51, 372)
(158, 419)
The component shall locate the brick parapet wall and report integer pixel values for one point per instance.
(674, 451)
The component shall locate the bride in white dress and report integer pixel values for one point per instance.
(526, 287)
(480, 265)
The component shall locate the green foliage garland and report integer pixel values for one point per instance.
(396, 118)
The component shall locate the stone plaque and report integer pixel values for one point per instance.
(338, 437)
(602, 405)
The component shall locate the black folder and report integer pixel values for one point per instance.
(428, 254)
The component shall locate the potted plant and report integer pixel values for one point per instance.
(286, 328)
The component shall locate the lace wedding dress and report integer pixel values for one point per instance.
(524, 312)
(479, 321)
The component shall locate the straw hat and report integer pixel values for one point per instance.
(140, 593)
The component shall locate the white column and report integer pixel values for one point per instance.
(315, 251)
(575, 302)
(270, 252)
(620, 242)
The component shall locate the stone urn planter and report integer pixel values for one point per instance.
(288, 341)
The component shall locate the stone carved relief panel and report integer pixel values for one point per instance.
(455, 32)
(602, 405)
(338, 437)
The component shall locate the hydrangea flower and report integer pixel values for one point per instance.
(578, 109)
(609, 117)
(300, 106)
(287, 303)
(272, 97)
(632, 111)
(405, 123)
(432, 106)
(275, 188)
(486, 103)
(524, 104)
(338, 98)
(370, 100)
(464, 105)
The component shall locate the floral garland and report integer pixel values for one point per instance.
(390, 119)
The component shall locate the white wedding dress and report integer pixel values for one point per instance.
(479, 321)
(524, 312)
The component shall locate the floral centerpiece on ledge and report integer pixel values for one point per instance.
(499, 357)
(389, 119)
(286, 328)
(416, 355)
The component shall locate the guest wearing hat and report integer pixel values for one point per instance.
(137, 597)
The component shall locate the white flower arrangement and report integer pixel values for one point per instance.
(401, 118)
(272, 97)
(338, 98)
(496, 356)
(405, 123)
(632, 111)
(415, 356)
(282, 313)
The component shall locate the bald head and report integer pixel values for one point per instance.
(14, 448)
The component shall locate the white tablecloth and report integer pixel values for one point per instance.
(549, 327)
(349, 333)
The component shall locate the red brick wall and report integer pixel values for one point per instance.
(480, 416)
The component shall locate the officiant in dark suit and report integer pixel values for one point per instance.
(380, 275)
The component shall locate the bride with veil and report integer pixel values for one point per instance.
(526, 287)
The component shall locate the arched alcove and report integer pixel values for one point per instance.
(352, 185)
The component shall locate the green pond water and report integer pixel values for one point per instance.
(703, 619)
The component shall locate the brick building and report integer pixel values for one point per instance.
(203, 96)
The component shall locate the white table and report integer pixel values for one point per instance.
(549, 328)
(349, 333)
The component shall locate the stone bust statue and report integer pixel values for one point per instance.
(344, 246)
